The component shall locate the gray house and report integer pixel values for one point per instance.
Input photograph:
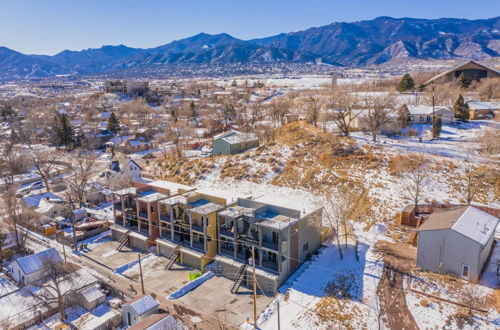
(456, 241)
(233, 142)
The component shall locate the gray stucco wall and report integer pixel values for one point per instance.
(220, 147)
(310, 233)
(450, 248)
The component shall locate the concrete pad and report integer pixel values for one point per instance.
(106, 254)
(214, 297)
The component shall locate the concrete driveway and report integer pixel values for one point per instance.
(214, 297)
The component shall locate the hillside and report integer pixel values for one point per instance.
(308, 160)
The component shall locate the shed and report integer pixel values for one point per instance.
(91, 297)
(456, 241)
(158, 322)
(233, 142)
(138, 309)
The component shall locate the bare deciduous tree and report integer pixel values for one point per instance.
(57, 283)
(416, 178)
(45, 163)
(379, 110)
(342, 103)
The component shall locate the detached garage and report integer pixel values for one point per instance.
(456, 241)
(233, 142)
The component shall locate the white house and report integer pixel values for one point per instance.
(479, 110)
(31, 268)
(46, 205)
(139, 309)
(422, 114)
(123, 170)
(456, 241)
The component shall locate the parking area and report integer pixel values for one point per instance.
(106, 254)
(214, 297)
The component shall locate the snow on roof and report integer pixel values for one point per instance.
(466, 220)
(144, 304)
(34, 262)
(234, 136)
(158, 322)
(34, 200)
(92, 293)
(228, 195)
(476, 224)
(172, 186)
(484, 105)
(288, 202)
(425, 109)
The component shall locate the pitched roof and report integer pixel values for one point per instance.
(92, 293)
(35, 262)
(426, 109)
(466, 220)
(458, 67)
(158, 322)
(143, 304)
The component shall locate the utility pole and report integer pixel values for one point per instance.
(254, 290)
(279, 316)
(64, 250)
(140, 271)
(433, 94)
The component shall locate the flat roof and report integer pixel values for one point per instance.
(126, 191)
(172, 186)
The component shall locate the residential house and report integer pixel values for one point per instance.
(139, 309)
(45, 206)
(122, 171)
(456, 241)
(158, 321)
(361, 117)
(422, 114)
(137, 144)
(30, 269)
(483, 110)
(188, 226)
(135, 210)
(282, 237)
(233, 142)
(96, 193)
(471, 70)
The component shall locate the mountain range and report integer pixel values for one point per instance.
(356, 44)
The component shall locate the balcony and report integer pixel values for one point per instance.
(270, 265)
(117, 207)
(227, 252)
(143, 215)
(165, 218)
(270, 245)
(197, 228)
(199, 245)
(224, 231)
(165, 233)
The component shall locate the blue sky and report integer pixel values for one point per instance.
(49, 26)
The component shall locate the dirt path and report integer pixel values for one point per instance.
(395, 312)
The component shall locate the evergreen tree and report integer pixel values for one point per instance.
(406, 83)
(7, 113)
(113, 123)
(234, 84)
(462, 81)
(404, 117)
(436, 126)
(461, 109)
(62, 131)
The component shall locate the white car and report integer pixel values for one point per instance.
(27, 188)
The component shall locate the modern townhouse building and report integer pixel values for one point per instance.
(281, 237)
(196, 227)
(135, 210)
(188, 226)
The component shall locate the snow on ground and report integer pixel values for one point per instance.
(453, 142)
(191, 285)
(130, 267)
(299, 295)
(150, 265)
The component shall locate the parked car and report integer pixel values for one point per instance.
(27, 188)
